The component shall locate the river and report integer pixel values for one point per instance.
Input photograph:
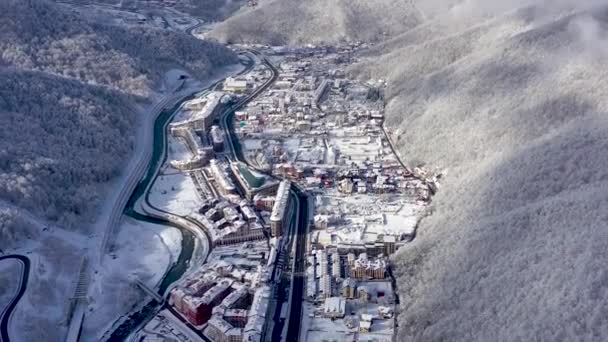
(177, 270)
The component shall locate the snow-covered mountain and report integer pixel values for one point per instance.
(507, 99)
(42, 36)
(70, 94)
(282, 22)
(511, 103)
(208, 10)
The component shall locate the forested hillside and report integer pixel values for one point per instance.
(41, 36)
(209, 10)
(14, 229)
(512, 107)
(62, 138)
(70, 95)
(280, 22)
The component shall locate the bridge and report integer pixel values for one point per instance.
(78, 303)
(149, 291)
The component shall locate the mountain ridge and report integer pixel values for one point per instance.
(292, 22)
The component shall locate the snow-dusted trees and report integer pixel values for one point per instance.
(60, 139)
(161, 50)
(68, 90)
(14, 229)
(318, 21)
(40, 36)
(514, 109)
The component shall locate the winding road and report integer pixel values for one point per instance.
(226, 116)
(136, 204)
(5, 316)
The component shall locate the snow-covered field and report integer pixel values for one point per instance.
(324, 329)
(175, 193)
(10, 271)
(55, 260)
(170, 327)
(366, 216)
(55, 256)
(252, 144)
(358, 147)
(144, 251)
(177, 150)
(403, 221)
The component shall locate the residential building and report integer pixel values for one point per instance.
(335, 307)
(233, 85)
(368, 268)
(217, 138)
(349, 288)
(278, 218)
(196, 308)
(225, 184)
(365, 324)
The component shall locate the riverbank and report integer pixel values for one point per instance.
(195, 245)
(144, 251)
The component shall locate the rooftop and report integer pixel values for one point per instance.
(280, 203)
(335, 305)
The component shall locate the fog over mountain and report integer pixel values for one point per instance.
(71, 93)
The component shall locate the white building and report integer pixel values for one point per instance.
(278, 215)
(233, 85)
(335, 307)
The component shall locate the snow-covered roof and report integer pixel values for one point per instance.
(335, 305)
(215, 291)
(280, 203)
(219, 323)
(234, 297)
(220, 175)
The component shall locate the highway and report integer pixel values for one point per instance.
(130, 185)
(140, 168)
(298, 233)
(139, 210)
(5, 315)
(296, 293)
